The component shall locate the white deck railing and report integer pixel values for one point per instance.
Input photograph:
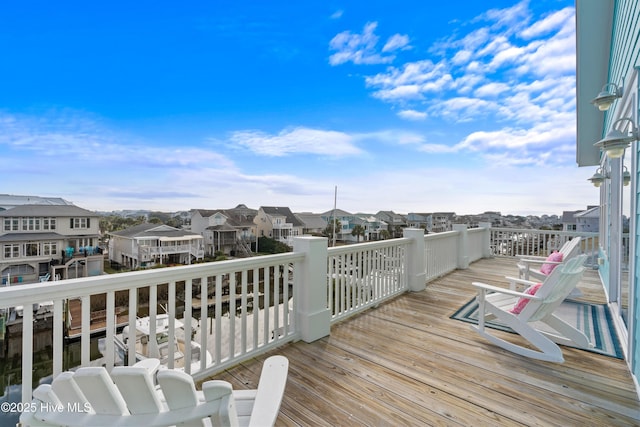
(363, 275)
(238, 309)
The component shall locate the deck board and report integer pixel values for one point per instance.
(407, 363)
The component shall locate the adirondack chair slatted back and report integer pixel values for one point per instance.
(136, 386)
(99, 389)
(571, 248)
(555, 289)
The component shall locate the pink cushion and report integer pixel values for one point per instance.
(546, 269)
(522, 302)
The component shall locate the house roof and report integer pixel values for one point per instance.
(8, 201)
(26, 237)
(240, 216)
(337, 213)
(154, 231)
(594, 212)
(47, 210)
(594, 20)
(312, 221)
(282, 211)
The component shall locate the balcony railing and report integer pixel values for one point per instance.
(238, 309)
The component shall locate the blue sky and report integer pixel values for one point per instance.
(413, 106)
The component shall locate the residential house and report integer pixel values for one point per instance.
(569, 220)
(278, 223)
(147, 245)
(395, 222)
(49, 241)
(420, 220)
(588, 221)
(372, 226)
(314, 224)
(231, 231)
(607, 70)
(442, 221)
(347, 221)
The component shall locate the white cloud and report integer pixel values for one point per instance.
(395, 42)
(337, 14)
(412, 115)
(552, 22)
(357, 48)
(491, 90)
(298, 140)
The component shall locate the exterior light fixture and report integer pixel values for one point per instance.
(617, 141)
(598, 178)
(606, 96)
(626, 177)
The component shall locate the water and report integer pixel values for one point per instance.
(11, 368)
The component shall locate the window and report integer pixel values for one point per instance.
(80, 223)
(49, 248)
(15, 224)
(12, 251)
(7, 224)
(31, 249)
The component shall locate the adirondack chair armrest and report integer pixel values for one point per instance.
(271, 385)
(484, 288)
(539, 261)
(531, 258)
(514, 281)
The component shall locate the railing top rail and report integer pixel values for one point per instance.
(10, 296)
(443, 235)
(535, 230)
(339, 250)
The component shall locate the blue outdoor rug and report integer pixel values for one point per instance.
(594, 320)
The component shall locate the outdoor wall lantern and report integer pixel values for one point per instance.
(598, 178)
(606, 96)
(617, 141)
(626, 177)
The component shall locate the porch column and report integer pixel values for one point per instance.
(310, 280)
(463, 245)
(416, 259)
(486, 240)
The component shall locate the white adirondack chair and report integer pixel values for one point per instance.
(529, 266)
(495, 302)
(128, 397)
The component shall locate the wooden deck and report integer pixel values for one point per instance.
(407, 363)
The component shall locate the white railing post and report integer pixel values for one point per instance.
(415, 259)
(313, 316)
(486, 241)
(463, 245)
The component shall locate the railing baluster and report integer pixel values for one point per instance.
(85, 334)
(27, 352)
(265, 305)
(110, 332)
(218, 319)
(133, 308)
(57, 336)
(188, 301)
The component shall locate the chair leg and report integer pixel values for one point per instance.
(569, 334)
(547, 349)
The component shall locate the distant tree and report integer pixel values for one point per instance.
(155, 220)
(357, 231)
(272, 246)
(384, 234)
(328, 230)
